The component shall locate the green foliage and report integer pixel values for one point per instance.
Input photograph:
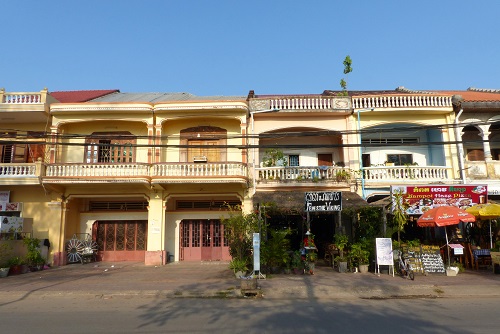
(238, 265)
(273, 157)
(239, 230)
(341, 241)
(347, 69)
(312, 256)
(274, 251)
(33, 256)
(296, 260)
(343, 175)
(5, 253)
(368, 222)
(399, 208)
(358, 254)
(15, 261)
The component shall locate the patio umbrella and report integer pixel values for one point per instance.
(443, 216)
(487, 211)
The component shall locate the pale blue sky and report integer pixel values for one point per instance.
(210, 47)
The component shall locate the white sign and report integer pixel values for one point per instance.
(384, 251)
(256, 252)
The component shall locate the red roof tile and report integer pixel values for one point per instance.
(81, 95)
(474, 96)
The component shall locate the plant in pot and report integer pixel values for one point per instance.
(33, 258)
(17, 266)
(341, 241)
(5, 252)
(359, 256)
(239, 267)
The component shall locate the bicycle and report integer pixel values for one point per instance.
(404, 267)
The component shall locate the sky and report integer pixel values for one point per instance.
(229, 47)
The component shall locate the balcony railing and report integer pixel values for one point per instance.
(382, 174)
(98, 170)
(401, 101)
(304, 173)
(18, 170)
(221, 169)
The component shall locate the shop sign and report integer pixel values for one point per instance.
(420, 199)
(323, 201)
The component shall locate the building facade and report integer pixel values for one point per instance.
(148, 176)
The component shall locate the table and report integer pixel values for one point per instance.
(481, 257)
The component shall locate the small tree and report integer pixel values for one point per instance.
(238, 231)
(347, 69)
(399, 208)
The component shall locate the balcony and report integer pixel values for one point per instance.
(301, 175)
(219, 172)
(97, 173)
(24, 107)
(387, 175)
(20, 173)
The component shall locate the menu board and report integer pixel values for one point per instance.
(384, 251)
(415, 259)
(431, 260)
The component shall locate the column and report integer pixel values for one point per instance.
(156, 254)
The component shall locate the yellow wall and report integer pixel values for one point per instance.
(75, 153)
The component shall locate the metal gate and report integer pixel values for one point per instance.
(121, 240)
(203, 240)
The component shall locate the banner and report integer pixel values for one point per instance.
(419, 199)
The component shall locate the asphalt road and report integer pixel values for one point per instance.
(132, 314)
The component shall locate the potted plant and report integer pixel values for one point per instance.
(5, 252)
(33, 258)
(343, 175)
(239, 267)
(359, 257)
(341, 241)
(17, 266)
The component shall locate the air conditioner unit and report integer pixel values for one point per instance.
(200, 158)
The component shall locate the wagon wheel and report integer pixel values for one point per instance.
(90, 248)
(74, 249)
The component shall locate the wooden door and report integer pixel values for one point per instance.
(325, 159)
(121, 240)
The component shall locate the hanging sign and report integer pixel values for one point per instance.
(323, 201)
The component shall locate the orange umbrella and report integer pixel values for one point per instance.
(445, 216)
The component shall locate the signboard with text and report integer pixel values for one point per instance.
(323, 201)
(419, 199)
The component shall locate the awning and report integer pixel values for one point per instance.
(295, 200)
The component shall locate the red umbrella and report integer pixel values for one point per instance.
(444, 216)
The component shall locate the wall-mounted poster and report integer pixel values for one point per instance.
(4, 196)
(11, 224)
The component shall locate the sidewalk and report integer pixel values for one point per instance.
(214, 279)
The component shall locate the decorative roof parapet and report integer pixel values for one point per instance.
(483, 90)
(303, 103)
(402, 101)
